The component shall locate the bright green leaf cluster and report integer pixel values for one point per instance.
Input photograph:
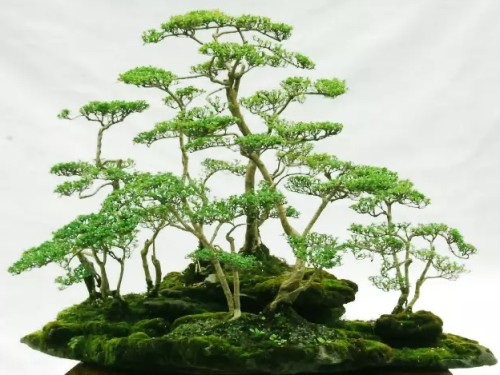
(36, 257)
(182, 97)
(234, 261)
(259, 142)
(307, 131)
(109, 113)
(213, 166)
(402, 192)
(317, 249)
(191, 22)
(148, 76)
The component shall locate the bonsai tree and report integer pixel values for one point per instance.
(400, 246)
(97, 236)
(274, 158)
(234, 47)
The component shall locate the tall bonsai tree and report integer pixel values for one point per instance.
(254, 125)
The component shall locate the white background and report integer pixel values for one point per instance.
(424, 85)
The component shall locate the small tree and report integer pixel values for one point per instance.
(399, 245)
(96, 236)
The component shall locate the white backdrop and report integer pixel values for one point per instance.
(424, 84)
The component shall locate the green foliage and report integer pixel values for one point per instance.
(401, 193)
(73, 276)
(182, 97)
(39, 256)
(99, 231)
(188, 24)
(307, 131)
(148, 76)
(293, 89)
(107, 113)
(213, 166)
(233, 261)
(317, 249)
(201, 125)
(90, 174)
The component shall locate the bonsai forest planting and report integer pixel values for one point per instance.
(237, 308)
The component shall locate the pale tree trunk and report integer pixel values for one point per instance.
(236, 280)
(225, 286)
(156, 264)
(104, 288)
(120, 277)
(237, 299)
(157, 267)
(145, 265)
(221, 276)
(252, 228)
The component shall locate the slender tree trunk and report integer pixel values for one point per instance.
(104, 287)
(225, 286)
(105, 291)
(120, 277)
(237, 299)
(157, 267)
(184, 158)
(252, 229)
(99, 146)
(404, 286)
(145, 265)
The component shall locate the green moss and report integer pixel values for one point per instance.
(183, 334)
(462, 346)
(152, 327)
(172, 280)
(357, 329)
(420, 329)
(119, 329)
(190, 319)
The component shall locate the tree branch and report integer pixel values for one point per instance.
(95, 192)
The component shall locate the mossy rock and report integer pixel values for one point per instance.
(173, 308)
(322, 302)
(413, 330)
(212, 343)
(152, 327)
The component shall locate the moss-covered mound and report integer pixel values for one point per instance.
(323, 302)
(420, 329)
(178, 332)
